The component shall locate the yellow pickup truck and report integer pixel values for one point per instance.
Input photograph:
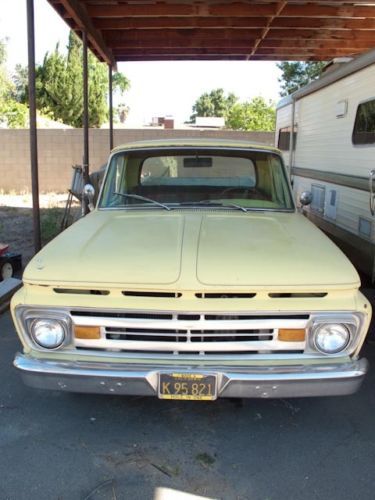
(193, 277)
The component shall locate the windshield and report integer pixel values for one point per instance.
(172, 179)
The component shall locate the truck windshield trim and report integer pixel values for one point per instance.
(247, 180)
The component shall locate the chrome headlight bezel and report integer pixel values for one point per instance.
(28, 316)
(352, 322)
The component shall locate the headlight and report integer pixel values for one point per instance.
(48, 333)
(331, 338)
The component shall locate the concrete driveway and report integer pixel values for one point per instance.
(66, 446)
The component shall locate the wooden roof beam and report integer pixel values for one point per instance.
(236, 9)
(324, 34)
(331, 2)
(321, 10)
(275, 57)
(191, 44)
(293, 43)
(183, 58)
(323, 53)
(323, 23)
(188, 51)
(329, 53)
(294, 57)
(225, 38)
(242, 46)
(179, 36)
(77, 12)
(280, 8)
(129, 23)
(132, 23)
(181, 9)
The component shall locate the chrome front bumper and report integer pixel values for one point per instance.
(233, 382)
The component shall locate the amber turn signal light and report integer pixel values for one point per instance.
(292, 334)
(87, 332)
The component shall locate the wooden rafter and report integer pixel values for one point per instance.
(239, 52)
(280, 7)
(229, 9)
(133, 23)
(77, 12)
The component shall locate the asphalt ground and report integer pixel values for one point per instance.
(56, 445)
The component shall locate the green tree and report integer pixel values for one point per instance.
(3, 52)
(254, 115)
(298, 74)
(214, 103)
(12, 113)
(20, 80)
(59, 86)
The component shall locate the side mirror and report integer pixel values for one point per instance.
(305, 198)
(89, 193)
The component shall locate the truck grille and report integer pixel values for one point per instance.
(155, 335)
(178, 333)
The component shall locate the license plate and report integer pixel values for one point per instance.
(187, 386)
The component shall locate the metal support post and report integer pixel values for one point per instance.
(33, 126)
(86, 171)
(110, 83)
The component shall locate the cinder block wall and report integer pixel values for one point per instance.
(59, 149)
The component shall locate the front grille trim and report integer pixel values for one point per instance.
(181, 332)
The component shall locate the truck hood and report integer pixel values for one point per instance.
(192, 250)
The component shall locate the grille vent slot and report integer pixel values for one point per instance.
(78, 291)
(229, 317)
(127, 315)
(174, 295)
(293, 295)
(225, 295)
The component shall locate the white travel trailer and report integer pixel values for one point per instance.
(332, 153)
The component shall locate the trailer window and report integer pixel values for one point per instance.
(364, 125)
(284, 139)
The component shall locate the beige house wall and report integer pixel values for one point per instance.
(59, 149)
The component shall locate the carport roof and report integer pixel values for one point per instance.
(221, 30)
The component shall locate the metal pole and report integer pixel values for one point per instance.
(33, 128)
(291, 137)
(85, 109)
(85, 119)
(110, 83)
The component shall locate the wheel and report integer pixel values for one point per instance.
(6, 270)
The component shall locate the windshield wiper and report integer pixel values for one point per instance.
(143, 198)
(214, 203)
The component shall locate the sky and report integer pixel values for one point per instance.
(157, 88)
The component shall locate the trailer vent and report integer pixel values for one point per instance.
(364, 227)
(318, 198)
(341, 108)
(330, 210)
